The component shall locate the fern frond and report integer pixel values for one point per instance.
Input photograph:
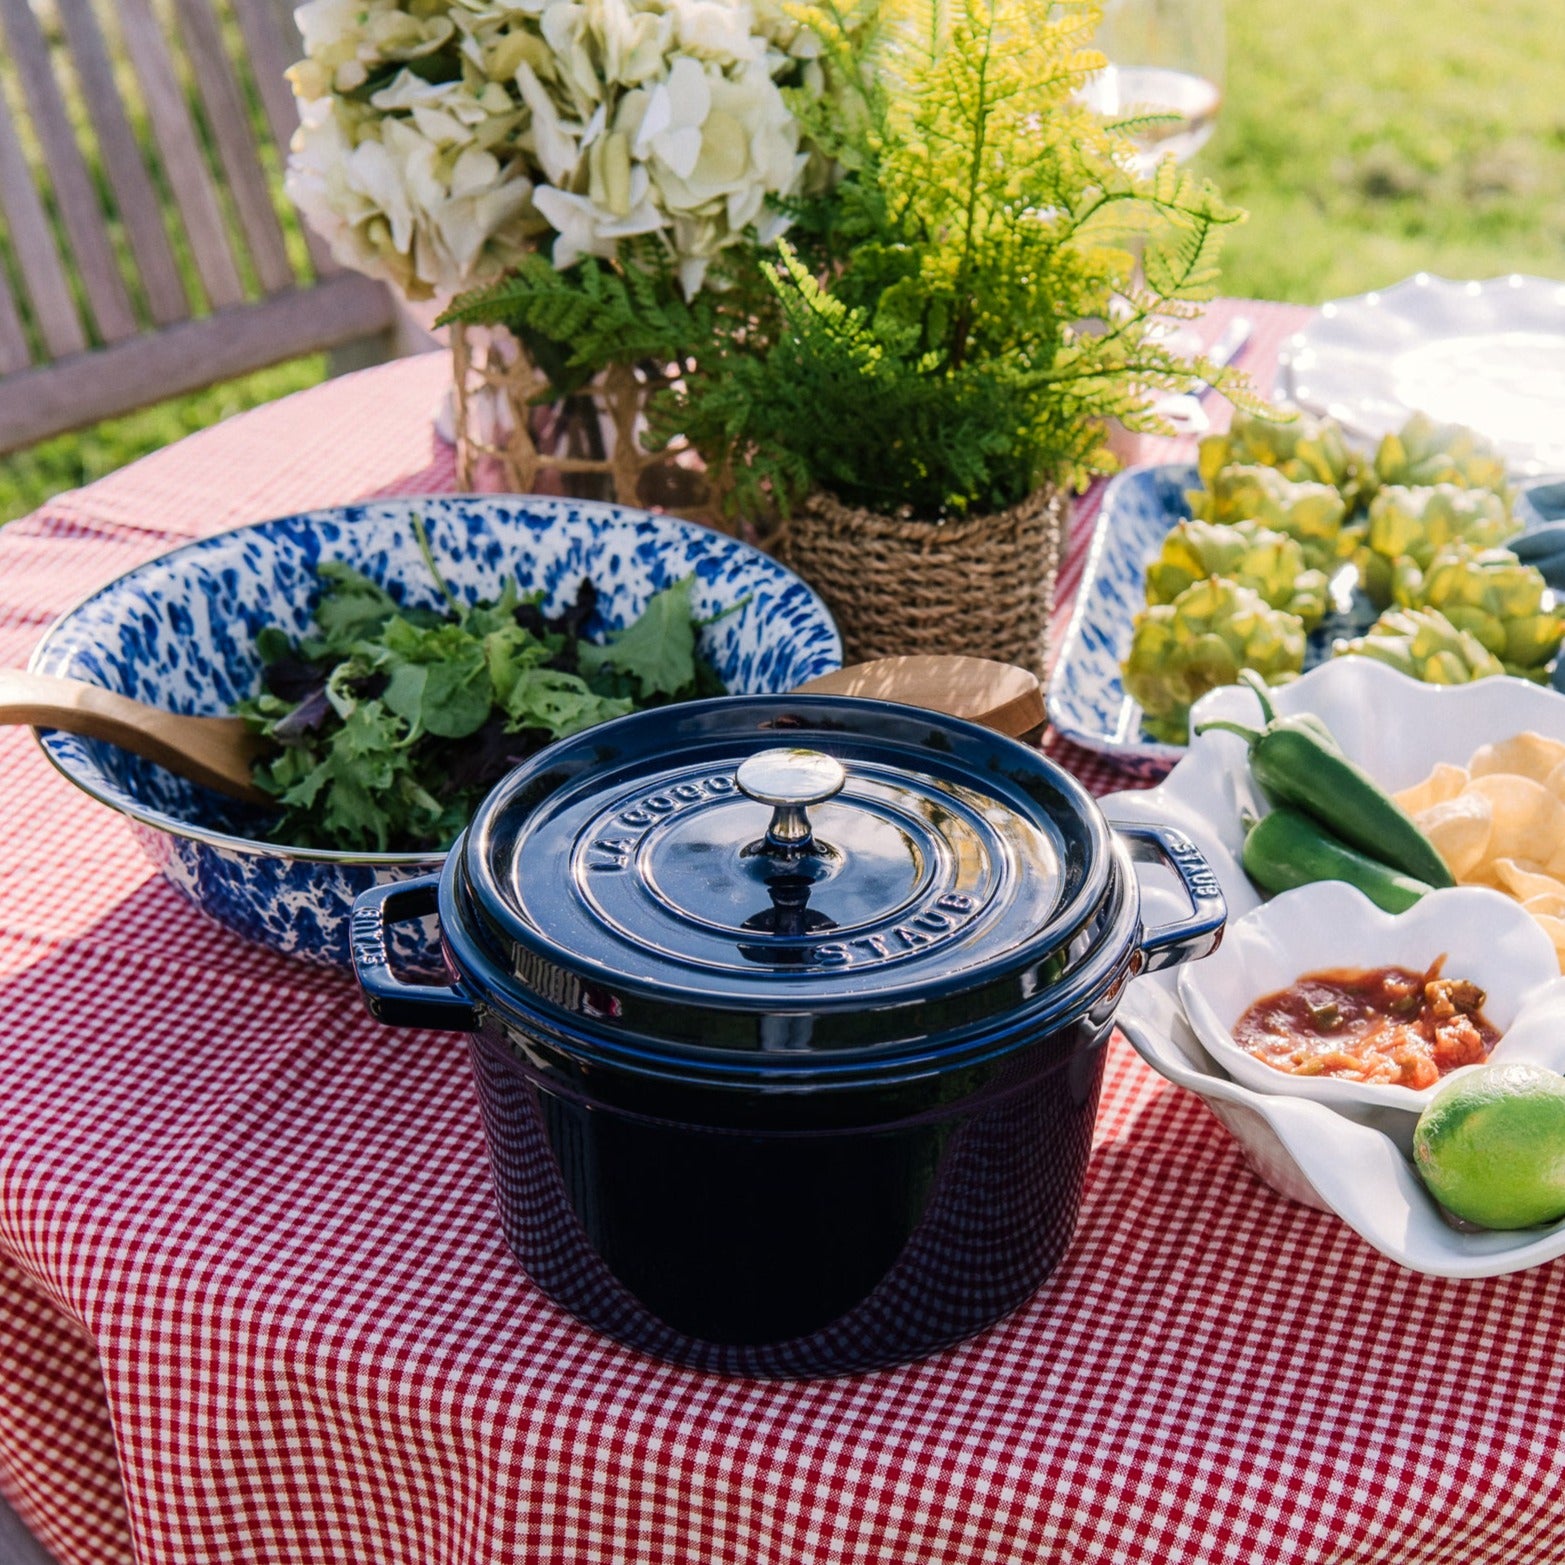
(492, 305)
(920, 344)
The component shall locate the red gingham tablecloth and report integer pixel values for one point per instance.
(255, 1304)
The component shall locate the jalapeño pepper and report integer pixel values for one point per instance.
(1295, 761)
(1285, 849)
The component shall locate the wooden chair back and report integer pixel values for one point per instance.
(146, 246)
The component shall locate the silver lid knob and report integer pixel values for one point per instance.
(790, 781)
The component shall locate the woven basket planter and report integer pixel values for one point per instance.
(983, 586)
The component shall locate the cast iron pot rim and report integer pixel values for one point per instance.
(473, 848)
(489, 988)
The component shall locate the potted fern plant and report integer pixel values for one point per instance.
(952, 324)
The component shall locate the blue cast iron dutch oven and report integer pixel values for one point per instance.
(788, 1018)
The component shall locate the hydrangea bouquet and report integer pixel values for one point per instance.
(450, 145)
(927, 364)
(441, 141)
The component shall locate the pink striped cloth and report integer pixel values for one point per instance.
(255, 1304)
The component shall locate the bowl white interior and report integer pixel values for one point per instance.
(1485, 937)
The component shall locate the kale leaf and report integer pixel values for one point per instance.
(658, 650)
(389, 724)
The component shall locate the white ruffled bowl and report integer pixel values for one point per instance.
(1486, 938)
(1397, 729)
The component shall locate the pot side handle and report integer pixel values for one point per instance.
(387, 998)
(1186, 939)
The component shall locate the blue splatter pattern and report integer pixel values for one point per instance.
(179, 632)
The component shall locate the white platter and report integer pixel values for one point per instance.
(1396, 729)
(1487, 354)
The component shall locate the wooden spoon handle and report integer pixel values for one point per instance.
(213, 751)
(218, 751)
(996, 695)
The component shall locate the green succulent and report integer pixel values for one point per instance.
(1415, 524)
(1424, 452)
(1310, 513)
(1424, 644)
(1269, 562)
(1201, 640)
(1492, 595)
(1305, 449)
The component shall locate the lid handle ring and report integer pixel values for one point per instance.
(790, 780)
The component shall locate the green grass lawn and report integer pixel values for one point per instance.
(28, 478)
(1367, 142)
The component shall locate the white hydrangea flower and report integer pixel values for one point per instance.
(440, 139)
(397, 205)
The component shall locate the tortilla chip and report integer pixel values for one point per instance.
(1528, 755)
(1444, 782)
(1524, 878)
(1529, 822)
(1460, 830)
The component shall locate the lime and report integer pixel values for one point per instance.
(1491, 1146)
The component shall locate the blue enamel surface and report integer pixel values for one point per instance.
(179, 633)
(1086, 700)
(1540, 502)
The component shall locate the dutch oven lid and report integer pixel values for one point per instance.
(800, 872)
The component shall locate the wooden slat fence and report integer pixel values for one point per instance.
(146, 248)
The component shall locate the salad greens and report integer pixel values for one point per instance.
(389, 724)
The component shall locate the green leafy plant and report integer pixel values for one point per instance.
(958, 316)
(389, 724)
(629, 310)
(954, 318)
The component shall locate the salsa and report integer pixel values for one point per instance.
(1385, 1024)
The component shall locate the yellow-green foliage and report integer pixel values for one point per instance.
(953, 318)
(958, 312)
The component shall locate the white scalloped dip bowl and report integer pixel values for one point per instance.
(1397, 729)
(1394, 727)
(1485, 937)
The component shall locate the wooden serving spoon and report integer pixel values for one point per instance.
(218, 752)
(995, 695)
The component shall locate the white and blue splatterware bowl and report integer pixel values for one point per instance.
(179, 632)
